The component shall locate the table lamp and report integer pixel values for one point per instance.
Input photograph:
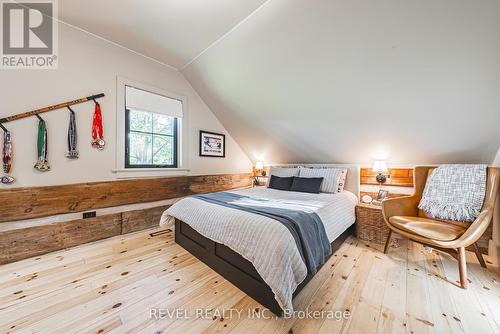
(259, 168)
(380, 167)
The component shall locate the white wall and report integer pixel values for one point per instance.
(88, 65)
(496, 162)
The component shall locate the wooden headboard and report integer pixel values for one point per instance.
(353, 173)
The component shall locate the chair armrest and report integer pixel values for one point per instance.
(476, 229)
(400, 206)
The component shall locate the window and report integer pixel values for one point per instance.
(151, 140)
(151, 130)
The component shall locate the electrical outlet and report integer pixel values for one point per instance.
(90, 214)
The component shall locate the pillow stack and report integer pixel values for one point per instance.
(295, 183)
(311, 180)
(333, 178)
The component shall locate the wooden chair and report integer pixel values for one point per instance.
(403, 217)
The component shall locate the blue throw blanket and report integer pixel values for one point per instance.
(306, 228)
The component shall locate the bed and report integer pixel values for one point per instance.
(237, 244)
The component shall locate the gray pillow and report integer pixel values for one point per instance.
(307, 184)
(280, 183)
(282, 172)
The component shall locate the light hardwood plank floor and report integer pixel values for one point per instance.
(111, 286)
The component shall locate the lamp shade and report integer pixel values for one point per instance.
(380, 166)
(259, 165)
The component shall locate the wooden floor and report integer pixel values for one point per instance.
(111, 286)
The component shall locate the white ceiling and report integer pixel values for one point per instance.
(171, 31)
(328, 80)
(354, 80)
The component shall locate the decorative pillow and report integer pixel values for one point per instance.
(307, 184)
(334, 178)
(280, 183)
(343, 176)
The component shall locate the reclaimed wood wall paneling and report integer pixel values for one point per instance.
(35, 202)
(137, 220)
(26, 203)
(401, 177)
(19, 244)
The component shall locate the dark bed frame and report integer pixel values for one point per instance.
(234, 267)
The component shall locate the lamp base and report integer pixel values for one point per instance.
(381, 178)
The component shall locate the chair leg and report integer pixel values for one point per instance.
(479, 255)
(387, 242)
(462, 267)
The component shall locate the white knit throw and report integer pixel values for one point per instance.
(455, 192)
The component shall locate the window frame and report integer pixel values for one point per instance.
(127, 143)
(183, 129)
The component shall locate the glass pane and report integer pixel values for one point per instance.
(140, 121)
(163, 125)
(163, 150)
(140, 150)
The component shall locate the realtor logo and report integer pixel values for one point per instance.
(29, 34)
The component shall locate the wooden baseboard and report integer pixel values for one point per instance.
(23, 243)
(137, 220)
(32, 241)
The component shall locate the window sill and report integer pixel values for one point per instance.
(130, 173)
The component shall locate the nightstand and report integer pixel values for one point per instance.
(370, 224)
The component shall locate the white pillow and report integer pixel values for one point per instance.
(333, 178)
(283, 171)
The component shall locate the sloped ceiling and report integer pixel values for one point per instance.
(171, 31)
(353, 80)
(328, 80)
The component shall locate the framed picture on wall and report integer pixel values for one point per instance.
(212, 144)
(382, 194)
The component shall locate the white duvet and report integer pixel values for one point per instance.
(265, 242)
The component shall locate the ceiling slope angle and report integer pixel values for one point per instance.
(351, 81)
(170, 31)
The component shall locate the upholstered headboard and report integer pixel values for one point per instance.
(353, 171)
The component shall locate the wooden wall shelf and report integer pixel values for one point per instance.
(400, 177)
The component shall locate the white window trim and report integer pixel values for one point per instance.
(182, 142)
